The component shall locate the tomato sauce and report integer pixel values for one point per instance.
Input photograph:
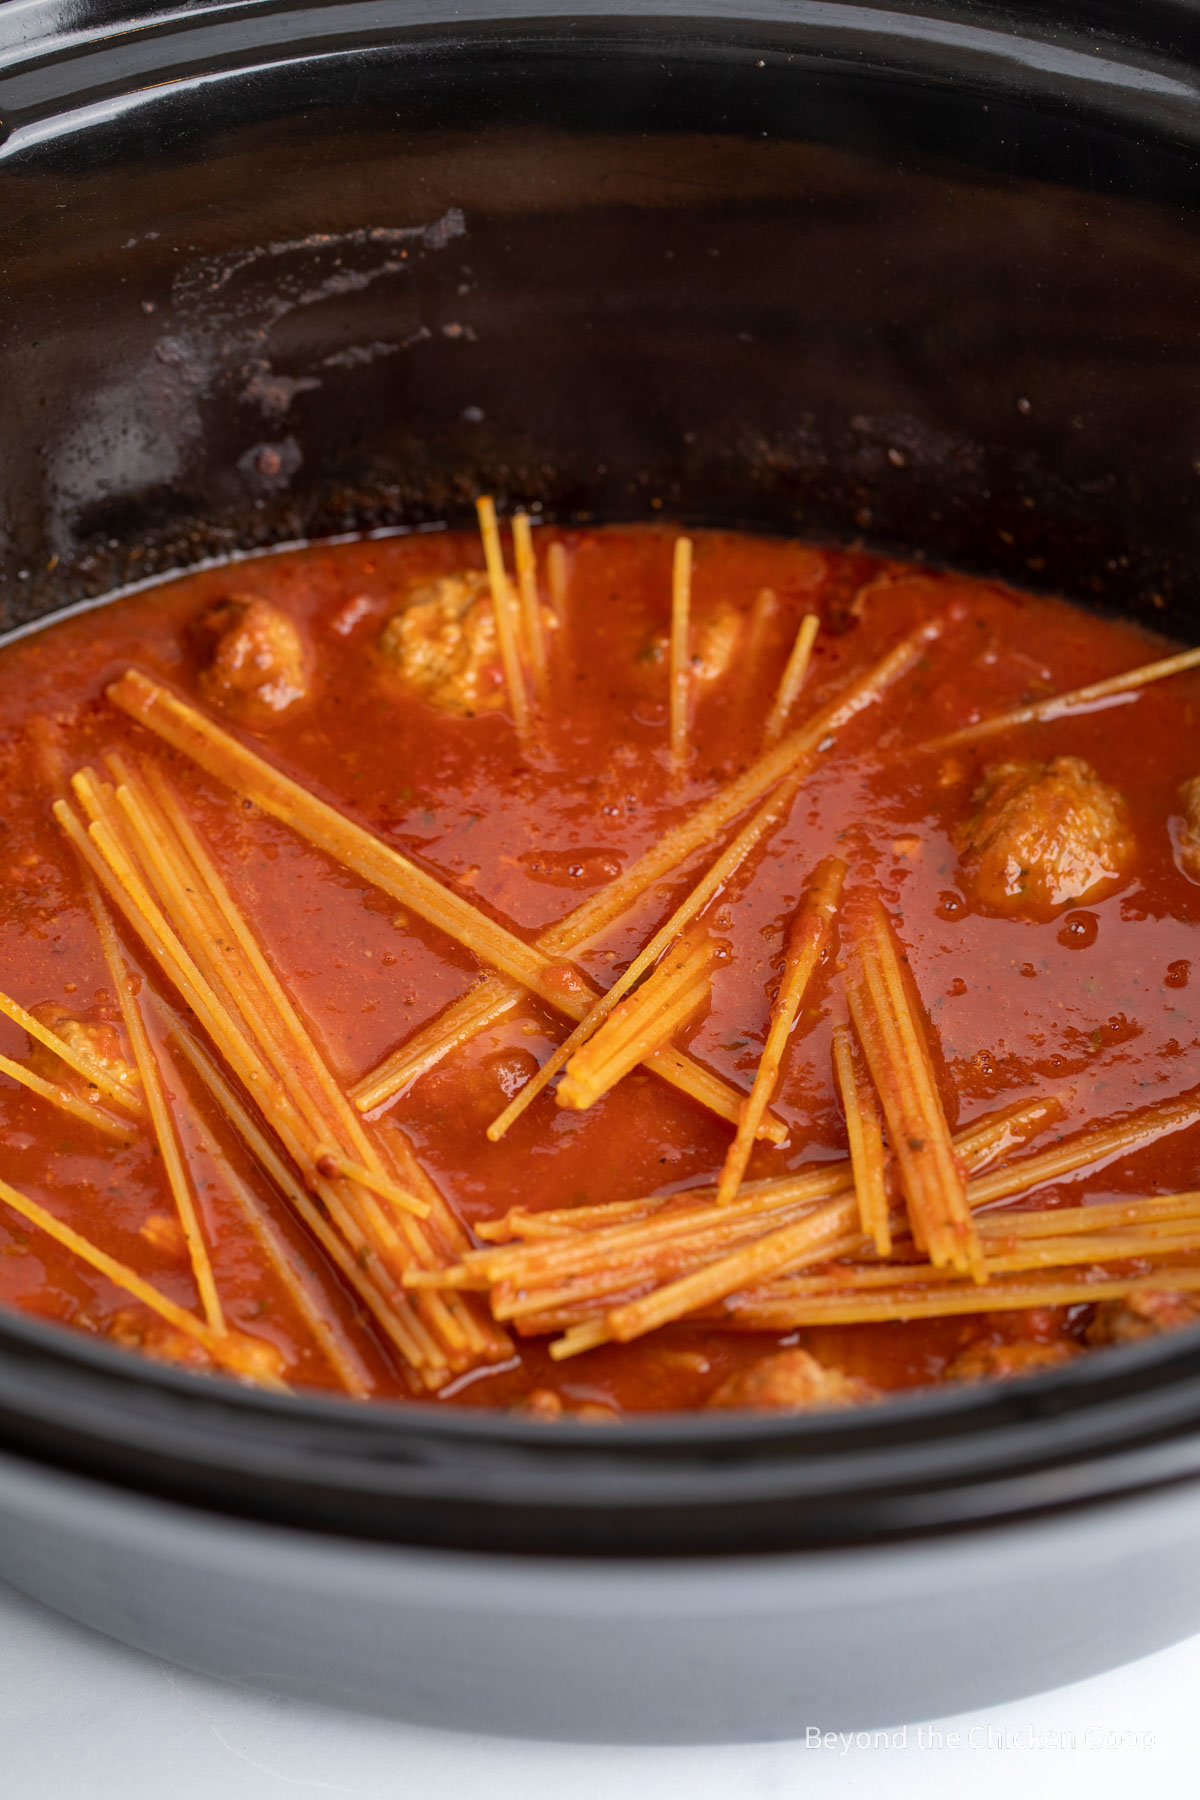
(1095, 1003)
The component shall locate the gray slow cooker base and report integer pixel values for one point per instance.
(694, 1651)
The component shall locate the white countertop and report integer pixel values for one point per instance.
(82, 1718)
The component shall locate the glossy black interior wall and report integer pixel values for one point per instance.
(285, 282)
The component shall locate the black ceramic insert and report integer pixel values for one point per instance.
(923, 276)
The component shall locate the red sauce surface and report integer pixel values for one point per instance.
(1097, 1003)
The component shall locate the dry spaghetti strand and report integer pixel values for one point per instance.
(1111, 1215)
(646, 1021)
(680, 664)
(1058, 706)
(864, 1129)
(1087, 1149)
(955, 1298)
(525, 559)
(808, 940)
(506, 611)
(793, 678)
(331, 1164)
(898, 1058)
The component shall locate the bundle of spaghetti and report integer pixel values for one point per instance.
(627, 1229)
(808, 939)
(114, 859)
(370, 1163)
(152, 863)
(680, 662)
(792, 679)
(592, 1301)
(601, 1283)
(715, 880)
(864, 1133)
(795, 757)
(612, 1264)
(618, 1274)
(897, 1054)
(829, 1230)
(162, 1123)
(792, 1247)
(230, 1350)
(561, 985)
(692, 1232)
(78, 1057)
(1015, 1242)
(667, 1000)
(274, 1163)
(774, 1303)
(1082, 699)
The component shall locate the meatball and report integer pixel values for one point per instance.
(1187, 842)
(256, 663)
(715, 640)
(794, 1380)
(1044, 835)
(153, 1337)
(544, 1405)
(442, 641)
(133, 1330)
(100, 1042)
(1001, 1362)
(1144, 1314)
(716, 635)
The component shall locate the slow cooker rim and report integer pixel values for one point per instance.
(1015, 1449)
(56, 80)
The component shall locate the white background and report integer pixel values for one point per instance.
(81, 1718)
